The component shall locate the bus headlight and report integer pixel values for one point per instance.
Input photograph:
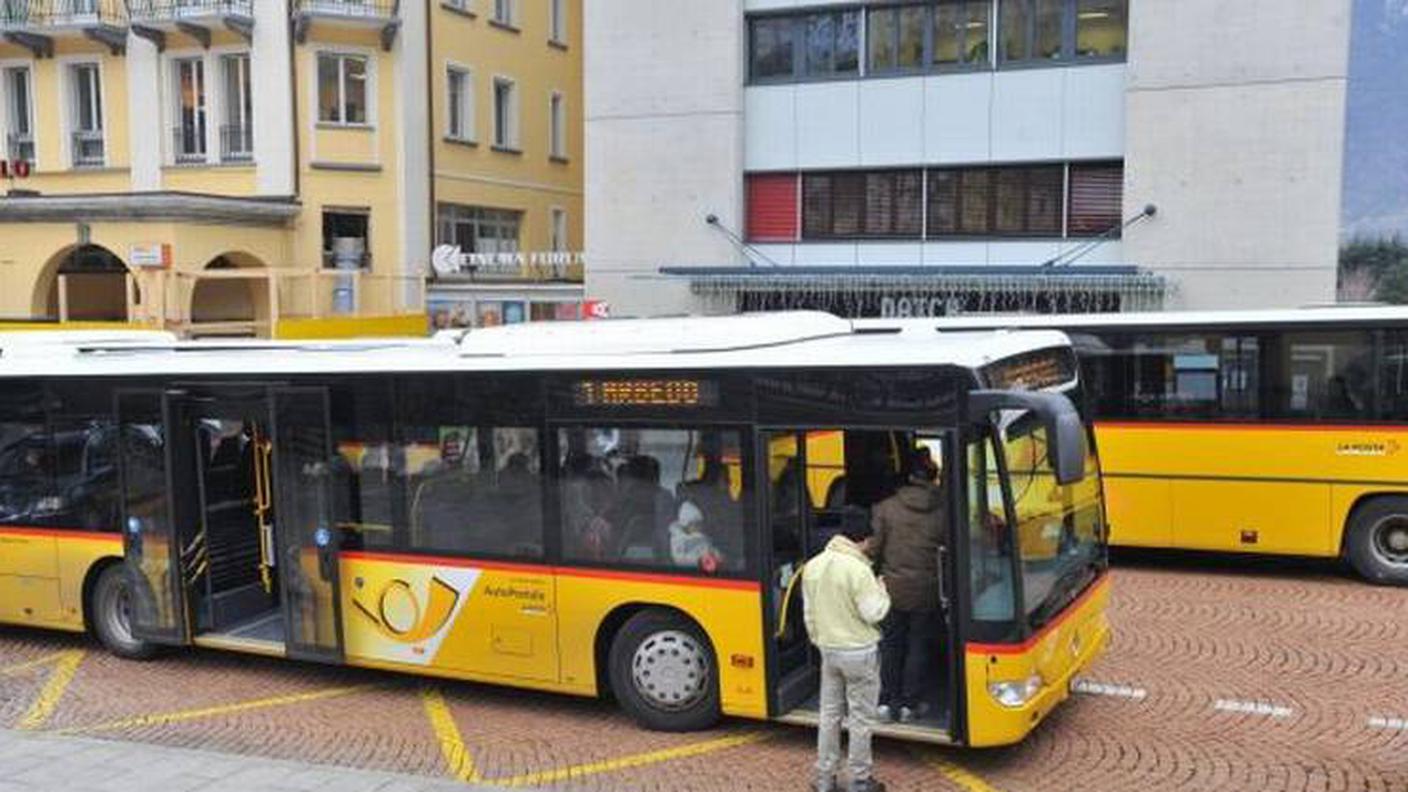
(1015, 694)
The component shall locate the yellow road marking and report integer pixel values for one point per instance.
(166, 718)
(970, 782)
(39, 661)
(627, 762)
(65, 666)
(447, 733)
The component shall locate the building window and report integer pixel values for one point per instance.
(961, 33)
(342, 89)
(772, 207)
(505, 114)
(771, 43)
(506, 12)
(86, 88)
(557, 126)
(557, 21)
(1048, 30)
(346, 238)
(237, 133)
(558, 241)
(189, 134)
(862, 204)
(477, 229)
(459, 86)
(897, 38)
(19, 114)
(1096, 199)
(832, 43)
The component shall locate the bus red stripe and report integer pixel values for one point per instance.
(1025, 646)
(1255, 426)
(545, 569)
(62, 533)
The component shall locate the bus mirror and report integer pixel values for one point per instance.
(1064, 428)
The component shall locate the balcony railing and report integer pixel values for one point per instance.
(188, 143)
(236, 143)
(20, 146)
(87, 148)
(180, 10)
(38, 14)
(355, 9)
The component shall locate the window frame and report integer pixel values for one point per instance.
(798, 36)
(342, 57)
(864, 207)
(465, 98)
(557, 23)
(200, 112)
(557, 126)
(1070, 10)
(559, 230)
(450, 215)
(76, 73)
(506, 138)
(504, 14)
(15, 139)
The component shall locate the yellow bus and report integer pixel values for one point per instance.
(1278, 432)
(615, 507)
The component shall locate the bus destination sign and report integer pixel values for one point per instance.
(646, 393)
(1032, 371)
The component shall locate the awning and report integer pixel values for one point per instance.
(929, 291)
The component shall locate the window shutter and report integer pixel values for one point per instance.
(848, 203)
(816, 206)
(909, 203)
(772, 207)
(1096, 196)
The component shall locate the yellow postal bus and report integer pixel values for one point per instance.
(615, 506)
(1277, 432)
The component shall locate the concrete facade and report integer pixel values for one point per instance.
(1229, 119)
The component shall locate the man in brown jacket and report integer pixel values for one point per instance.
(909, 527)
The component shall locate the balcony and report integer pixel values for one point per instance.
(19, 146)
(34, 24)
(384, 15)
(86, 148)
(237, 143)
(154, 19)
(188, 144)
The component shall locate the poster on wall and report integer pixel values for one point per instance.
(1374, 207)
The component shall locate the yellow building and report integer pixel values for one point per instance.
(286, 167)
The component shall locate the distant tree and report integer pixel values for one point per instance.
(1374, 269)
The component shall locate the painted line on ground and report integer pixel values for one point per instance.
(575, 772)
(1389, 723)
(1093, 688)
(1264, 708)
(18, 668)
(458, 759)
(959, 776)
(167, 718)
(65, 667)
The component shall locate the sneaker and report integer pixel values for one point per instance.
(884, 714)
(867, 785)
(828, 785)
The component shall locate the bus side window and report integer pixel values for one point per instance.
(989, 537)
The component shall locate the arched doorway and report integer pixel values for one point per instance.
(230, 306)
(86, 283)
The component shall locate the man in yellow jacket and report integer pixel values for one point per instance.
(843, 603)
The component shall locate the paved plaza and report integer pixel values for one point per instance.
(1281, 676)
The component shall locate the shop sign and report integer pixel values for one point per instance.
(543, 265)
(156, 255)
(596, 309)
(14, 169)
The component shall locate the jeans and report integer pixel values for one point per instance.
(850, 681)
(908, 652)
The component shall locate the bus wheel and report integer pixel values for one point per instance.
(664, 674)
(110, 609)
(1377, 544)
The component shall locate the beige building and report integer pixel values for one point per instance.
(286, 167)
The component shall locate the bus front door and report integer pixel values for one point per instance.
(305, 538)
(159, 515)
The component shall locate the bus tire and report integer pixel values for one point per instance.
(664, 673)
(110, 613)
(1376, 543)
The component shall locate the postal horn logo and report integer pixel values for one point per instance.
(397, 612)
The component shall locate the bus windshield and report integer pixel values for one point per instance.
(1059, 530)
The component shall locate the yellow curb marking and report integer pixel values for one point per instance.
(627, 762)
(452, 747)
(35, 663)
(166, 718)
(970, 782)
(65, 666)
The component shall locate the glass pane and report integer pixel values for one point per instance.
(150, 542)
(821, 43)
(881, 31)
(879, 203)
(912, 20)
(307, 534)
(355, 84)
(329, 99)
(1325, 375)
(772, 47)
(1011, 199)
(909, 203)
(1015, 29)
(1049, 17)
(989, 542)
(847, 203)
(1102, 27)
(975, 32)
(1044, 200)
(949, 21)
(653, 497)
(943, 202)
(475, 490)
(1393, 376)
(456, 127)
(816, 205)
(975, 201)
(848, 43)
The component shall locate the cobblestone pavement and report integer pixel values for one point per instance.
(1227, 675)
